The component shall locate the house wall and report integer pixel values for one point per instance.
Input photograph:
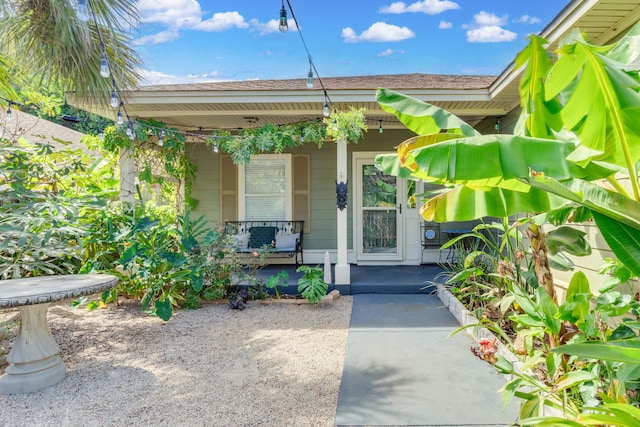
(206, 185)
(321, 233)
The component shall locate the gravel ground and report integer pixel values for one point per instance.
(269, 365)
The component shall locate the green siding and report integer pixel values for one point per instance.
(206, 184)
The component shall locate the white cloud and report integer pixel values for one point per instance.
(172, 13)
(490, 34)
(271, 27)
(222, 21)
(158, 38)
(484, 19)
(527, 19)
(178, 15)
(430, 7)
(151, 78)
(390, 52)
(445, 25)
(487, 28)
(378, 32)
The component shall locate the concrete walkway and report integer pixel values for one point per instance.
(401, 370)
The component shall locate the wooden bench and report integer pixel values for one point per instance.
(284, 238)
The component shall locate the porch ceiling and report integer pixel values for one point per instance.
(243, 104)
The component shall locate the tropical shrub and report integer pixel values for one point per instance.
(312, 285)
(46, 196)
(576, 140)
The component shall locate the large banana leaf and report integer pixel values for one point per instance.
(462, 203)
(420, 117)
(598, 199)
(623, 240)
(501, 161)
(602, 105)
(617, 216)
(540, 117)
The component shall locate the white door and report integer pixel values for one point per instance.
(379, 205)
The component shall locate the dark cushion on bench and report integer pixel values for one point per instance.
(261, 236)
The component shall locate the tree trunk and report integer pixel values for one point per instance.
(536, 236)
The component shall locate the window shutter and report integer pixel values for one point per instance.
(228, 189)
(301, 190)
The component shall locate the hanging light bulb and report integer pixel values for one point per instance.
(161, 138)
(9, 113)
(104, 67)
(114, 98)
(215, 147)
(497, 125)
(283, 26)
(310, 77)
(380, 128)
(129, 130)
(120, 119)
(82, 11)
(101, 131)
(301, 134)
(335, 124)
(325, 109)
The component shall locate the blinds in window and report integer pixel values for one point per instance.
(265, 190)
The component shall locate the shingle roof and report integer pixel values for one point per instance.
(391, 81)
(43, 131)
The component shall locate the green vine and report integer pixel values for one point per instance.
(163, 165)
(272, 138)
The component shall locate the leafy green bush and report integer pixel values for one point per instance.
(45, 199)
(312, 285)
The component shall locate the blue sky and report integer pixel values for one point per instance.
(184, 41)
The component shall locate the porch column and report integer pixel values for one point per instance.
(127, 176)
(343, 270)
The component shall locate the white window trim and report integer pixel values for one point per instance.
(288, 184)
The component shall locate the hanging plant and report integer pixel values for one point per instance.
(348, 125)
(272, 138)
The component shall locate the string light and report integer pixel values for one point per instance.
(335, 124)
(104, 66)
(310, 75)
(82, 12)
(101, 132)
(85, 10)
(9, 114)
(282, 25)
(114, 98)
(380, 128)
(497, 125)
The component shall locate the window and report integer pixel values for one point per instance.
(265, 188)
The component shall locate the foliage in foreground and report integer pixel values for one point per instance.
(575, 146)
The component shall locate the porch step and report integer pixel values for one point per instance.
(400, 279)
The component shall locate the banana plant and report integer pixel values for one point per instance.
(576, 142)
